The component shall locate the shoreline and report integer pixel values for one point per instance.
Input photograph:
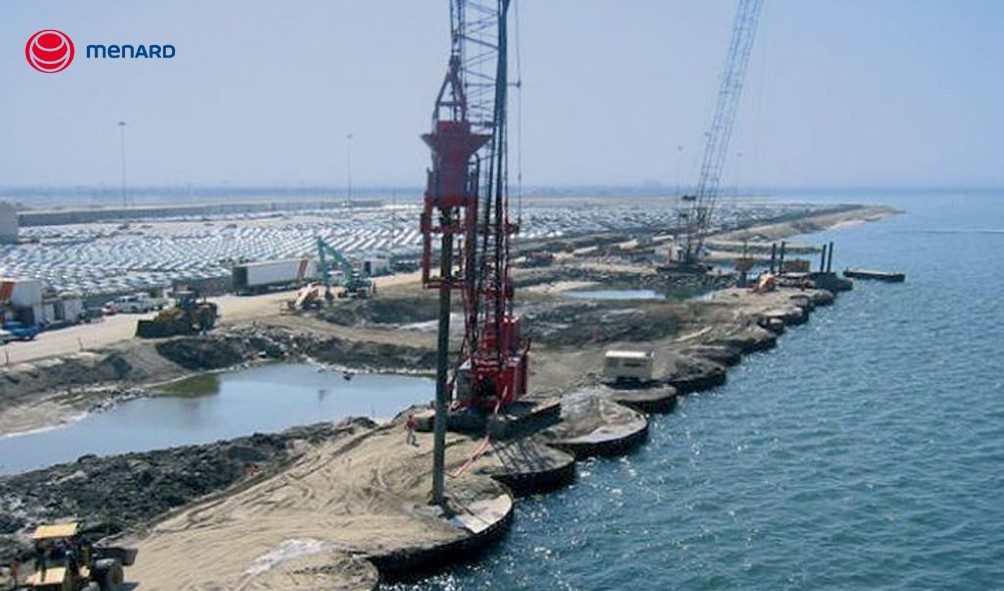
(694, 341)
(49, 409)
(762, 340)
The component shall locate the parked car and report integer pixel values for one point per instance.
(139, 303)
(20, 330)
(92, 314)
(6, 337)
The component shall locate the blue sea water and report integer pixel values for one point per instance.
(865, 452)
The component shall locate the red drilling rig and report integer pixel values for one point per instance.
(467, 213)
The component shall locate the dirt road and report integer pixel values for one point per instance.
(65, 341)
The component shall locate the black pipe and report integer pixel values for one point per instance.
(829, 261)
(822, 260)
(780, 260)
(773, 255)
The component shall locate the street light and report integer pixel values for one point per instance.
(679, 163)
(348, 165)
(122, 128)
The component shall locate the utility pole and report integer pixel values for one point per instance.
(122, 128)
(679, 164)
(348, 165)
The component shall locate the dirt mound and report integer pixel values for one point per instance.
(573, 324)
(219, 350)
(370, 355)
(383, 310)
(113, 493)
(608, 277)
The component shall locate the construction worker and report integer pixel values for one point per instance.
(42, 554)
(410, 425)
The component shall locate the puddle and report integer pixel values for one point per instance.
(210, 407)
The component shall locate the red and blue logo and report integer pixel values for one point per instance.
(49, 51)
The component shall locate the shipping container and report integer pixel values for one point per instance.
(259, 277)
(22, 293)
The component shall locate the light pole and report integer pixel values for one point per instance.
(679, 161)
(122, 128)
(348, 165)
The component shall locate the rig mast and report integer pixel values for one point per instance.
(467, 212)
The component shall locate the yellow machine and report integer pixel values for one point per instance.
(188, 316)
(64, 562)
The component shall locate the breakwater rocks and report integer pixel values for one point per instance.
(226, 349)
(113, 493)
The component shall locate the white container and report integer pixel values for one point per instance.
(628, 365)
(22, 293)
(256, 277)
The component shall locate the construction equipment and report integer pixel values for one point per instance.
(66, 562)
(628, 367)
(188, 316)
(355, 283)
(696, 211)
(466, 210)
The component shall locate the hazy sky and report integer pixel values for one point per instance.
(842, 92)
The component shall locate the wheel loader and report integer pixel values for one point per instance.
(64, 561)
(188, 316)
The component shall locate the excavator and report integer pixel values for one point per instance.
(355, 283)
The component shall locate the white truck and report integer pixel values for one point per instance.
(250, 278)
(137, 303)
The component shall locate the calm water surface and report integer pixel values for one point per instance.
(614, 294)
(866, 452)
(209, 407)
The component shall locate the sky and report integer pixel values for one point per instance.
(839, 93)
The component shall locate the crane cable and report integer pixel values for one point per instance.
(481, 448)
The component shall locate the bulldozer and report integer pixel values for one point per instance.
(66, 562)
(188, 316)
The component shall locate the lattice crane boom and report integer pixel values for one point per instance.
(697, 216)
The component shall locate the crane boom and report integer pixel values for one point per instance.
(696, 217)
(467, 212)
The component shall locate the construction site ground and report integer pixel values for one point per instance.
(313, 522)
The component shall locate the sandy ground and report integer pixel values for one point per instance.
(809, 224)
(363, 496)
(367, 495)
